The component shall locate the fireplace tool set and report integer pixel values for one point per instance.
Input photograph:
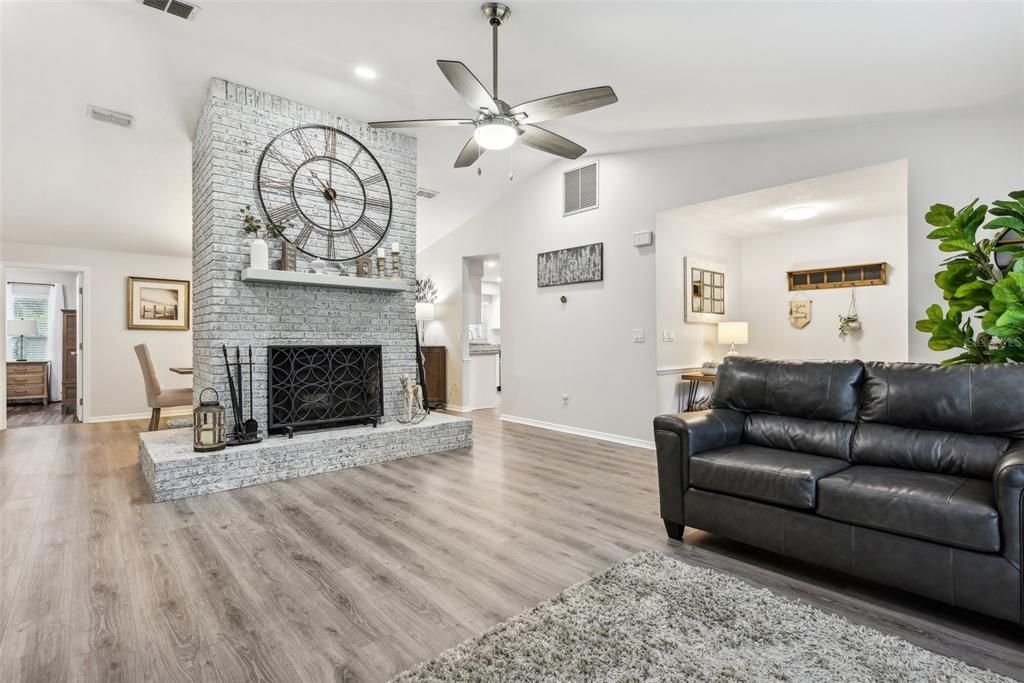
(246, 430)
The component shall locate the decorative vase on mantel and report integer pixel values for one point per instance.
(259, 254)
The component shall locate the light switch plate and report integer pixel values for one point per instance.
(668, 335)
(638, 335)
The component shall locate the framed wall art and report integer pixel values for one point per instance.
(571, 266)
(158, 304)
(705, 291)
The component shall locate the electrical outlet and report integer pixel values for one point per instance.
(565, 399)
(668, 335)
(638, 335)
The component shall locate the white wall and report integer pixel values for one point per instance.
(883, 310)
(112, 375)
(694, 342)
(584, 347)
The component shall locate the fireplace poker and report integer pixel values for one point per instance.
(252, 427)
(234, 395)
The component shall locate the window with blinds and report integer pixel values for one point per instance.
(31, 307)
(579, 189)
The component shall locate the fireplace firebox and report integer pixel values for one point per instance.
(323, 386)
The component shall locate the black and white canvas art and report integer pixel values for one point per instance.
(571, 266)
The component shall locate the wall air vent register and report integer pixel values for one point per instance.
(579, 189)
(182, 10)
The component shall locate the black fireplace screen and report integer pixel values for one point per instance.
(321, 386)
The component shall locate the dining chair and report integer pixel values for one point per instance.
(156, 396)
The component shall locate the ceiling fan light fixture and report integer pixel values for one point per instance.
(496, 133)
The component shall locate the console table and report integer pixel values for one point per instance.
(694, 378)
(28, 380)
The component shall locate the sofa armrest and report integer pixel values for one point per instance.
(677, 437)
(1009, 483)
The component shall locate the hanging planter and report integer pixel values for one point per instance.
(851, 321)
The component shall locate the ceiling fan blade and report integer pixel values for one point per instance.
(549, 142)
(468, 86)
(421, 123)
(469, 154)
(565, 104)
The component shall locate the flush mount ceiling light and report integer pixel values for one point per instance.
(107, 116)
(365, 73)
(800, 213)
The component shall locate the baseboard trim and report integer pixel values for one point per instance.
(456, 409)
(577, 431)
(166, 412)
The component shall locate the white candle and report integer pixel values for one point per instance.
(394, 248)
(380, 253)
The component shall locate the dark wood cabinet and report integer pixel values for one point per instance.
(435, 366)
(69, 371)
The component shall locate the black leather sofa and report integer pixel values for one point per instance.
(911, 475)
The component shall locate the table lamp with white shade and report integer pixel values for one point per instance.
(424, 312)
(22, 329)
(732, 334)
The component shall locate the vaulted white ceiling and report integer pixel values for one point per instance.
(858, 195)
(684, 72)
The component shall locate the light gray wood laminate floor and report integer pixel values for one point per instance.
(352, 575)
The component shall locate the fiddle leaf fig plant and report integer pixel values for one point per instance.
(982, 282)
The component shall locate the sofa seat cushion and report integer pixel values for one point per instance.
(766, 474)
(942, 508)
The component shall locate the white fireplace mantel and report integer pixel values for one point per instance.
(285, 277)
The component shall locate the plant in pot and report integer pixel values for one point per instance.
(982, 282)
(848, 323)
(259, 252)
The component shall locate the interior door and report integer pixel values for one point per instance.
(80, 355)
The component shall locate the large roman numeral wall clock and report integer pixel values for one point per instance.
(327, 190)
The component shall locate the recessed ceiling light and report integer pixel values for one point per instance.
(366, 73)
(489, 264)
(497, 279)
(800, 213)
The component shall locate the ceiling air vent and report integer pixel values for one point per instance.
(176, 8)
(579, 189)
(425, 193)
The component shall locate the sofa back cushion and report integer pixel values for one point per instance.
(928, 450)
(815, 390)
(973, 399)
(955, 420)
(816, 437)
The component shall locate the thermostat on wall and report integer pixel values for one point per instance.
(644, 238)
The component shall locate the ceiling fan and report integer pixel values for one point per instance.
(497, 125)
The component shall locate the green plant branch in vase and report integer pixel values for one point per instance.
(253, 225)
(982, 282)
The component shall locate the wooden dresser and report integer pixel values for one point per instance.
(28, 380)
(69, 349)
(435, 366)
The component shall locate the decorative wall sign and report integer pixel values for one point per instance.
(571, 266)
(705, 291)
(327, 190)
(800, 313)
(158, 304)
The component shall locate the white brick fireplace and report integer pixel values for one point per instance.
(236, 125)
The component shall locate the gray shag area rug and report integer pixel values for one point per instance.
(652, 618)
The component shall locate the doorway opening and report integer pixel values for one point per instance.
(43, 309)
(481, 301)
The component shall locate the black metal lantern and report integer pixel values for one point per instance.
(208, 433)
